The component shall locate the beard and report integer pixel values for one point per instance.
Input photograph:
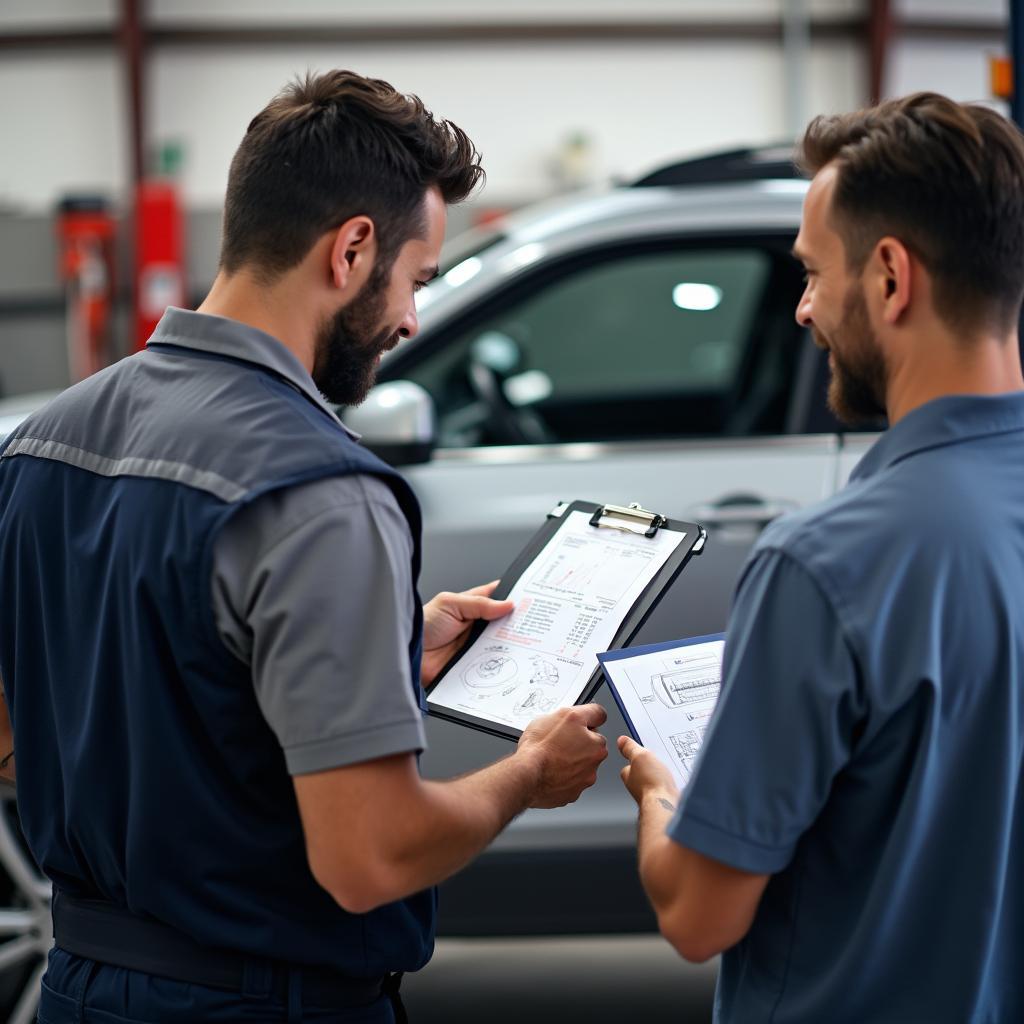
(860, 378)
(349, 342)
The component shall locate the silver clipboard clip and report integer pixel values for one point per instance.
(631, 519)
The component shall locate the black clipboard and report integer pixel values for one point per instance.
(631, 518)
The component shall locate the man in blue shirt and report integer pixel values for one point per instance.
(852, 839)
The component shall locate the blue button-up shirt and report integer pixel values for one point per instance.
(868, 743)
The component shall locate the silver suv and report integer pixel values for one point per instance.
(636, 344)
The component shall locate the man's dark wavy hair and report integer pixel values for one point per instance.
(947, 180)
(330, 147)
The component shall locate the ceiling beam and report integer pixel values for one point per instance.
(851, 28)
(133, 44)
(880, 33)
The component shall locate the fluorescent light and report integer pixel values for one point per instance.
(463, 272)
(696, 296)
(524, 256)
(425, 296)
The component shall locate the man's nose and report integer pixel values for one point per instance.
(410, 325)
(803, 310)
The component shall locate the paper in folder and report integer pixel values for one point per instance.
(667, 694)
(584, 584)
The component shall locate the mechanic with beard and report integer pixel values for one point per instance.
(212, 643)
(853, 834)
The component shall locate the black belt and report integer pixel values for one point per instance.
(97, 930)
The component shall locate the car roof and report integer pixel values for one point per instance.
(603, 217)
(14, 409)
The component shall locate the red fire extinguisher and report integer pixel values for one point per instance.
(85, 233)
(159, 255)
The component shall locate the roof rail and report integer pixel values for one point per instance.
(726, 166)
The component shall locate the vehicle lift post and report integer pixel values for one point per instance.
(1017, 61)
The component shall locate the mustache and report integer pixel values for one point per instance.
(390, 342)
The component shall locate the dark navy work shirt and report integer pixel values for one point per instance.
(867, 747)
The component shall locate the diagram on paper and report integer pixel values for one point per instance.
(694, 681)
(500, 670)
(497, 671)
(687, 746)
(603, 571)
(536, 702)
(568, 606)
(668, 694)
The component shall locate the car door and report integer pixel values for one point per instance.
(665, 372)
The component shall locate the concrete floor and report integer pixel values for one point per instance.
(634, 978)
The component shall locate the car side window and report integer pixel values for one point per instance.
(628, 345)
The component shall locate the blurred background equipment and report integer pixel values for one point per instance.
(86, 229)
(159, 248)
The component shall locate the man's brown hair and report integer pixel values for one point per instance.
(330, 147)
(947, 180)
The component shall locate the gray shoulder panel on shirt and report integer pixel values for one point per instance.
(311, 587)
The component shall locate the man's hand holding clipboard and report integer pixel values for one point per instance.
(583, 584)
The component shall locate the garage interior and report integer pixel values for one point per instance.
(119, 119)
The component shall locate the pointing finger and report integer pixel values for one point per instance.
(628, 747)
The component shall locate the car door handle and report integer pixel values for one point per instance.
(741, 509)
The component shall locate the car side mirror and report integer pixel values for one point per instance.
(397, 422)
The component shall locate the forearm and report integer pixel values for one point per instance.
(390, 833)
(703, 906)
(656, 810)
(376, 831)
(457, 819)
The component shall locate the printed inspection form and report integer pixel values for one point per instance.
(666, 693)
(572, 598)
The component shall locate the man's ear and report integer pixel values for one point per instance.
(352, 253)
(890, 277)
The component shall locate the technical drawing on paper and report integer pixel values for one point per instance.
(687, 746)
(535, 703)
(497, 671)
(606, 573)
(543, 671)
(695, 680)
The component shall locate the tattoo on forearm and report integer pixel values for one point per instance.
(667, 804)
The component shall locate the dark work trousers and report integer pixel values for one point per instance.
(80, 991)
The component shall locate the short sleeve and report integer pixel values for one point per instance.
(312, 588)
(784, 725)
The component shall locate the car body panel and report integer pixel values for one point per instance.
(480, 507)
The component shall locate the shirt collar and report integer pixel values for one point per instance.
(204, 332)
(943, 421)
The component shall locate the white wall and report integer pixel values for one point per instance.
(269, 12)
(63, 117)
(63, 127)
(54, 15)
(959, 69)
(639, 103)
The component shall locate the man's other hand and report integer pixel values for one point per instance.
(569, 752)
(645, 773)
(447, 619)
